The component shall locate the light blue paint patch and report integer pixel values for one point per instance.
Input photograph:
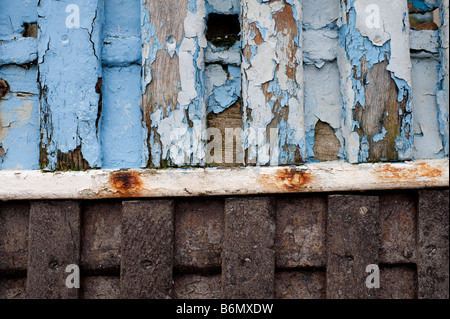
(20, 79)
(222, 6)
(20, 51)
(226, 95)
(122, 18)
(69, 69)
(192, 6)
(364, 150)
(403, 91)
(121, 51)
(19, 131)
(380, 136)
(310, 143)
(403, 143)
(148, 37)
(121, 128)
(196, 108)
(13, 15)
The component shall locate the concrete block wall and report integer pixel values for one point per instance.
(312, 246)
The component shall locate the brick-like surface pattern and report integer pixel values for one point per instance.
(291, 247)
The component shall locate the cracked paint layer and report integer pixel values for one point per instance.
(223, 85)
(69, 68)
(13, 15)
(424, 5)
(223, 73)
(323, 102)
(19, 119)
(174, 105)
(443, 90)
(19, 102)
(365, 54)
(427, 137)
(15, 48)
(71, 108)
(273, 82)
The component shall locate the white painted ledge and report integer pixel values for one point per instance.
(322, 177)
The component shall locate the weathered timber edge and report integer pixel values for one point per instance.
(320, 177)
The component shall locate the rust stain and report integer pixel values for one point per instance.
(126, 182)
(290, 179)
(421, 170)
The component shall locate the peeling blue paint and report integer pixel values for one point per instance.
(13, 15)
(19, 119)
(424, 4)
(442, 93)
(222, 6)
(69, 69)
(109, 46)
(358, 47)
(364, 150)
(380, 136)
(223, 96)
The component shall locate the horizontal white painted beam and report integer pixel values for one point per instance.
(322, 177)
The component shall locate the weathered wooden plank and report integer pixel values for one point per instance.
(432, 246)
(398, 227)
(323, 99)
(100, 287)
(319, 177)
(300, 232)
(173, 38)
(101, 236)
(248, 258)
(198, 234)
(196, 287)
(54, 243)
(147, 249)
(376, 80)
(353, 240)
(304, 284)
(443, 93)
(224, 147)
(69, 71)
(272, 82)
(14, 218)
